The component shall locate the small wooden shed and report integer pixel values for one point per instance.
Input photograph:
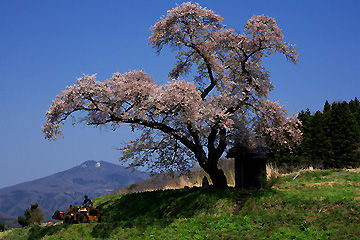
(250, 164)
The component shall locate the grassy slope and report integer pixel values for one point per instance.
(316, 205)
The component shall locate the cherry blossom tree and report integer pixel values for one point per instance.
(194, 121)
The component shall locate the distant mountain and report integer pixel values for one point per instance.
(58, 191)
(9, 221)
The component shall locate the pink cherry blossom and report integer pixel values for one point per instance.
(193, 120)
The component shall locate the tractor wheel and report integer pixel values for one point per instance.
(83, 218)
(68, 219)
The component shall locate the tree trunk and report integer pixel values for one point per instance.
(209, 164)
(217, 176)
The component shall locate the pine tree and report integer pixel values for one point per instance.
(33, 215)
(330, 138)
(344, 132)
(327, 107)
(321, 145)
(305, 149)
(354, 106)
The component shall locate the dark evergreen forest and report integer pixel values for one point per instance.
(331, 138)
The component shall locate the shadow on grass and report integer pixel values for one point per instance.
(160, 207)
(103, 230)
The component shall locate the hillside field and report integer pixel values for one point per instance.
(321, 204)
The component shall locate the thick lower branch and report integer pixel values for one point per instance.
(194, 147)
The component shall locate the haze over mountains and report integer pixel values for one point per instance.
(58, 191)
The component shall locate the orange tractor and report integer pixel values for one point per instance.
(75, 214)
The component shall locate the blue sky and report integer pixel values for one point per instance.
(45, 45)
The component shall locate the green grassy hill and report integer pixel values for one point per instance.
(316, 205)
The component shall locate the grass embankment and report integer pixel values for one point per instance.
(316, 205)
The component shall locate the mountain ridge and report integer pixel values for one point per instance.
(59, 190)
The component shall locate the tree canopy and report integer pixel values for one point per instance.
(183, 122)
